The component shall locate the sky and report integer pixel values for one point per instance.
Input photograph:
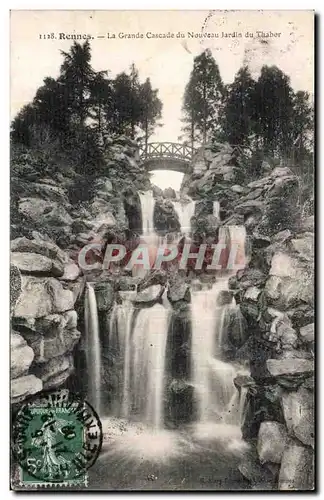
(167, 61)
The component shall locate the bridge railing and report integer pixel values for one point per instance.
(166, 150)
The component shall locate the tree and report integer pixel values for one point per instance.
(203, 98)
(101, 101)
(237, 115)
(151, 108)
(77, 75)
(273, 105)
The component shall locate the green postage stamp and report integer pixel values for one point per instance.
(56, 438)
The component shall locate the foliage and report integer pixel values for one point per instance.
(203, 99)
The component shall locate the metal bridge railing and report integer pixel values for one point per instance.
(166, 150)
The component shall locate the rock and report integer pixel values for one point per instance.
(272, 440)
(309, 384)
(55, 372)
(62, 339)
(281, 172)
(277, 367)
(41, 297)
(71, 272)
(242, 380)
(169, 193)
(33, 263)
(298, 408)
(58, 216)
(33, 208)
(104, 295)
(252, 277)
(46, 248)
(307, 224)
(224, 297)
(261, 183)
(252, 293)
(21, 356)
(178, 291)
(301, 315)
(250, 207)
(23, 387)
(238, 189)
(304, 246)
(307, 333)
(290, 282)
(150, 295)
(283, 186)
(251, 469)
(296, 472)
(286, 334)
(181, 394)
(15, 287)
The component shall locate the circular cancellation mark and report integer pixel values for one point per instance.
(56, 436)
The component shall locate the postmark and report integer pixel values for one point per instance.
(56, 438)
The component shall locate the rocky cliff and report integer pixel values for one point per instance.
(275, 293)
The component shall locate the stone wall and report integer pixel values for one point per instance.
(44, 321)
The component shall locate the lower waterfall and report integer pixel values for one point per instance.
(93, 351)
(212, 376)
(142, 345)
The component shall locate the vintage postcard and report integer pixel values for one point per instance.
(162, 250)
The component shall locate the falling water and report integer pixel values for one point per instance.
(142, 347)
(147, 207)
(92, 348)
(119, 345)
(212, 377)
(185, 211)
(148, 347)
(216, 209)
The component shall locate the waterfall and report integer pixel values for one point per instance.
(147, 207)
(93, 351)
(119, 345)
(216, 209)
(216, 395)
(148, 347)
(185, 211)
(238, 238)
(142, 347)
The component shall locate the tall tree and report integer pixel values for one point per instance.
(151, 108)
(101, 101)
(203, 98)
(273, 105)
(237, 115)
(77, 75)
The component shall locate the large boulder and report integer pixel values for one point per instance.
(272, 440)
(39, 246)
(55, 372)
(298, 408)
(33, 263)
(41, 297)
(297, 468)
(291, 281)
(277, 367)
(21, 356)
(23, 387)
(62, 339)
(307, 333)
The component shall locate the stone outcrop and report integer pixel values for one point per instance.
(43, 317)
